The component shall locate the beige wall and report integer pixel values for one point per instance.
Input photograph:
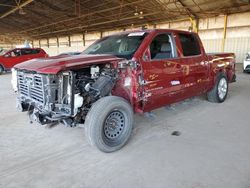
(237, 34)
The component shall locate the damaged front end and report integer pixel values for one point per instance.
(65, 97)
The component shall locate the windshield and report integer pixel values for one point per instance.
(123, 46)
(248, 56)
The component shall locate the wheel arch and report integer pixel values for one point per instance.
(219, 71)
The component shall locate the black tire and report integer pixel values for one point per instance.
(1, 69)
(109, 123)
(214, 94)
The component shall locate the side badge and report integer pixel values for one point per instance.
(175, 82)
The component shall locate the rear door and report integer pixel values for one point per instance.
(161, 72)
(194, 64)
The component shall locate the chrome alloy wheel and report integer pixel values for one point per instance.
(222, 88)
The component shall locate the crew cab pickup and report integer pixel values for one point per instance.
(117, 76)
(19, 55)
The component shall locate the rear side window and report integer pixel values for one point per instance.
(190, 45)
(35, 51)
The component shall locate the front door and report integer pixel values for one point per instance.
(162, 73)
(12, 58)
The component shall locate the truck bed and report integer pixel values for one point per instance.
(223, 62)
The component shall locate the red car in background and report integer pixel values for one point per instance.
(19, 55)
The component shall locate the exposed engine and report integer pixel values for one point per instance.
(66, 97)
(98, 84)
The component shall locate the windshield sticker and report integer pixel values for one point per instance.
(136, 34)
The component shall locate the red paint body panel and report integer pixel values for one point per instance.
(56, 64)
(8, 61)
(154, 83)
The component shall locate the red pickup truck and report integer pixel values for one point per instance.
(19, 55)
(118, 75)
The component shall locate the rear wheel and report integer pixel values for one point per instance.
(219, 92)
(109, 123)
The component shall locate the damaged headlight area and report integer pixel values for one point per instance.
(65, 97)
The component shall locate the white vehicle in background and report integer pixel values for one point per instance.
(246, 64)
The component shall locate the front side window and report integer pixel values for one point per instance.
(190, 45)
(16, 53)
(162, 47)
(123, 46)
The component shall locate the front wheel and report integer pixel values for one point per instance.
(1, 69)
(219, 92)
(109, 123)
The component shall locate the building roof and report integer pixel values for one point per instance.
(36, 19)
